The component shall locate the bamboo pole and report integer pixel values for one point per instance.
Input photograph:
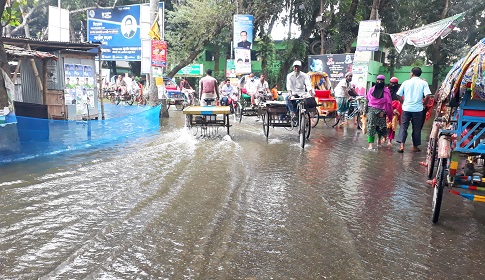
(36, 72)
(17, 69)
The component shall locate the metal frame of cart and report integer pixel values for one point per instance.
(207, 119)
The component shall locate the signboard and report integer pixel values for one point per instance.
(159, 53)
(368, 36)
(191, 70)
(120, 31)
(243, 31)
(335, 65)
(58, 29)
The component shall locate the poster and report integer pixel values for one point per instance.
(359, 78)
(230, 68)
(335, 65)
(79, 86)
(159, 53)
(243, 31)
(368, 36)
(243, 61)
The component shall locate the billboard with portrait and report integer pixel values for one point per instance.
(335, 65)
(120, 31)
(243, 31)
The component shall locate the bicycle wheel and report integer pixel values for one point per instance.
(302, 129)
(438, 189)
(308, 125)
(130, 101)
(359, 120)
(266, 121)
(142, 100)
(431, 157)
(314, 117)
(237, 113)
(112, 99)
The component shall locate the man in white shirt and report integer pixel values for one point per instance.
(263, 87)
(414, 91)
(297, 83)
(251, 85)
(342, 92)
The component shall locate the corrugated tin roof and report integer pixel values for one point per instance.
(49, 46)
(20, 52)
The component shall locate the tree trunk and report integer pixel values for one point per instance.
(3, 63)
(374, 13)
(436, 56)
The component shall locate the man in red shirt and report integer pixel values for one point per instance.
(208, 88)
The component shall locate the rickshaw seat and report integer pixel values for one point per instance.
(322, 93)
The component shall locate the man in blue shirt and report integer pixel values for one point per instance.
(414, 91)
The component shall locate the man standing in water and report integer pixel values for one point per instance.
(208, 88)
(413, 91)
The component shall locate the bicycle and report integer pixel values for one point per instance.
(356, 109)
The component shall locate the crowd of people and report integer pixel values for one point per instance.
(388, 107)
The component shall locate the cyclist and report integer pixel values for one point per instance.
(297, 82)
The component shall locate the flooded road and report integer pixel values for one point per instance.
(169, 205)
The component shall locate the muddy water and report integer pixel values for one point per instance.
(173, 206)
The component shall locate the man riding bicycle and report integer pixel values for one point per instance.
(297, 83)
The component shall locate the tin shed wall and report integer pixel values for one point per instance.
(30, 90)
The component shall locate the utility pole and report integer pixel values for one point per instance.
(153, 89)
(322, 28)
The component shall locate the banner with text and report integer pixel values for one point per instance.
(426, 35)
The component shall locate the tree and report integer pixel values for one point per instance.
(192, 26)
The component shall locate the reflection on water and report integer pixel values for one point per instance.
(171, 205)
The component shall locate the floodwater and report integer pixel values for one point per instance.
(169, 205)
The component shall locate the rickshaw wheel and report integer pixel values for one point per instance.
(238, 113)
(438, 189)
(302, 130)
(265, 118)
(314, 117)
(431, 157)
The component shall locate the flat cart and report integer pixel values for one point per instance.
(275, 114)
(460, 133)
(207, 119)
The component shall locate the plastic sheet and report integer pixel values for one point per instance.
(40, 137)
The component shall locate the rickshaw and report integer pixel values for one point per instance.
(275, 114)
(457, 140)
(327, 106)
(207, 119)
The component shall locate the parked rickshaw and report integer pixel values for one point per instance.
(457, 141)
(327, 106)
